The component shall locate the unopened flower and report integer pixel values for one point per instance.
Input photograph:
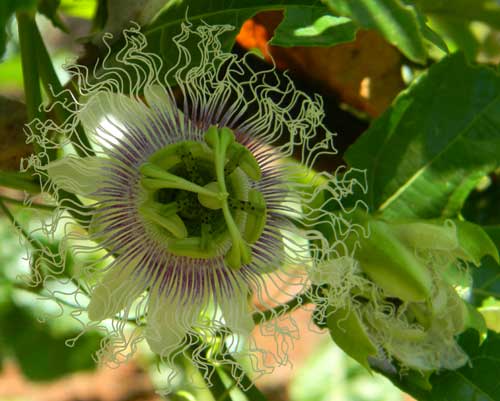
(392, 299)
(192, 210)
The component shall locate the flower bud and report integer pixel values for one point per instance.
(392, 265)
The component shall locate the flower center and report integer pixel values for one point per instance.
(199, 198)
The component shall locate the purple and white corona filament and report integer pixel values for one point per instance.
(193, 209)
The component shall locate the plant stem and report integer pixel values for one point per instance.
(219, 391)
(217, 388)
(21, 203)
(68, 200)
(28, 34)
(16, 180)
(54, 89)
(251, 391)
(300, 299)
(32, 93)
(214, 383)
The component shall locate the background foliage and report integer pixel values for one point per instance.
(429, 139)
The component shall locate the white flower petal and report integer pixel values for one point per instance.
(104, 113)
(169, 320)
(159, 98)
(117, 290)
(82, 176)
(163, 104)
(236, 313)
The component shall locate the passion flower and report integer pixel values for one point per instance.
(196, 212)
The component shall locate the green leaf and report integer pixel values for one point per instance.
(313, 27)
(168, 23)
(428, 151)
(477, 381)
(491, 315)
(11, 73)
(42, 353)
(458, 34)
(494, 233)
(485, 281)
(475, 243)
(487, 11)
(481, 206)
(348, 332)
(399, 24)
(80, 8)
(433, 37)
(475, 320)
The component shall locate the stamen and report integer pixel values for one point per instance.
(234, 155)
(209, 201)
(169, 208)
(240, 156)
(170, 155)
(163, 179)
(219, 141)
(166, 217)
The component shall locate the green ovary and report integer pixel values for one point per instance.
(197, 198)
